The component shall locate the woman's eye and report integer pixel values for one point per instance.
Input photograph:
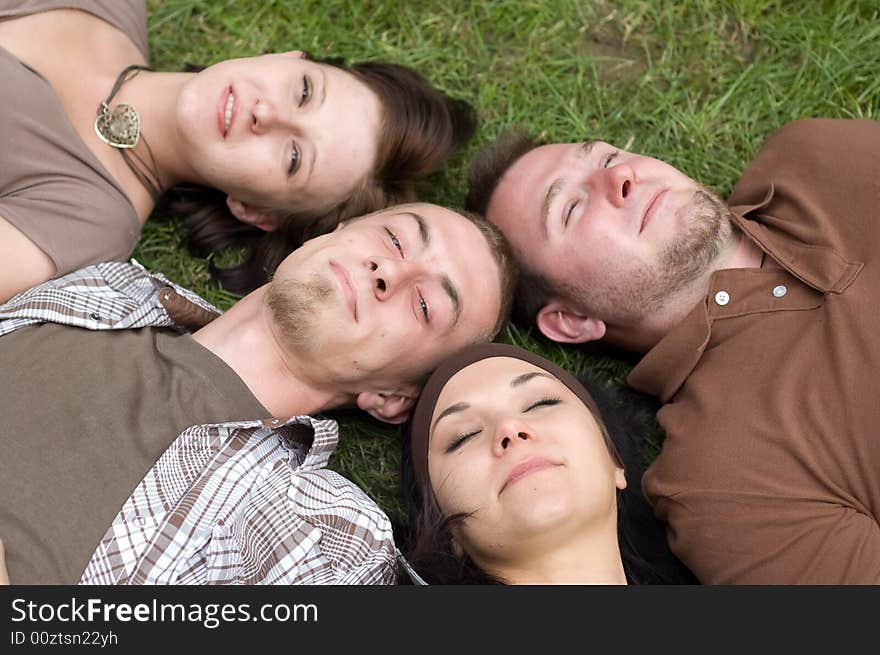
(424, 307)
(543, 402)
(294, 160)
(395, 241)
(610, 158)
(460, 439)
(306, 91)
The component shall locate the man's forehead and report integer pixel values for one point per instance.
(546, 158)
(415, 218)
(425, 216)
(524, 189)
(440, 232)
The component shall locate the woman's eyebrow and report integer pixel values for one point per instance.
(452, 409)
(525, 377)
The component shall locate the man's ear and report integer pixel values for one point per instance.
(261, 218)
(390, 407)
(558, 322)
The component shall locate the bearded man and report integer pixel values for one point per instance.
(757, 319)
(137, 452)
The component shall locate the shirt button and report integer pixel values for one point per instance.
(95, 316)
(780, 291)
(722, 298)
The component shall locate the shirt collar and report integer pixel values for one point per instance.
(820, 267)
(320, 436)
(663, 370)
(666, 366)
(184, 312)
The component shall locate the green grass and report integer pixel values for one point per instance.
(698, 83)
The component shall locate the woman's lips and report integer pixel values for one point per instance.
(347, 287)
(226, 110)
(651, 208)
(524, 469)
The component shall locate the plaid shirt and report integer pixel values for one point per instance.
(246, 502)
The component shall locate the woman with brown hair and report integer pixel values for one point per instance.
(512, 475)
(260, 152)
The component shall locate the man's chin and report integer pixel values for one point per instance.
(298, 308)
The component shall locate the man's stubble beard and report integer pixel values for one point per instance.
(295, 306)
(691, 256)
(648, 289)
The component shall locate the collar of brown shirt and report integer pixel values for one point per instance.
(808, 272)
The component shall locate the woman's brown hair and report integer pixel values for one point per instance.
(421, 128)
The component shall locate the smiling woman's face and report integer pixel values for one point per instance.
(512, 444)
(279, 131)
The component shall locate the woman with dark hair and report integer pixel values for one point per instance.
(512, 475)
(261, 152)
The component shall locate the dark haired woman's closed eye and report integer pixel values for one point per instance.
(547, 401)
(456, 443)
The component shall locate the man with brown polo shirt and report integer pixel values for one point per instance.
(758, 319)
(137, 453)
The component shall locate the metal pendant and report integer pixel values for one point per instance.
(119, 127)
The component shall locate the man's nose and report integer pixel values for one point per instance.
(617, 183)
(391, 275)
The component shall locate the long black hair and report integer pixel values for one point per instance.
(644, 550)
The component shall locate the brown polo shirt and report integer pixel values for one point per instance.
(770, 472)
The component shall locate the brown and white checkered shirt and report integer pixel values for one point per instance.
(244, 503)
